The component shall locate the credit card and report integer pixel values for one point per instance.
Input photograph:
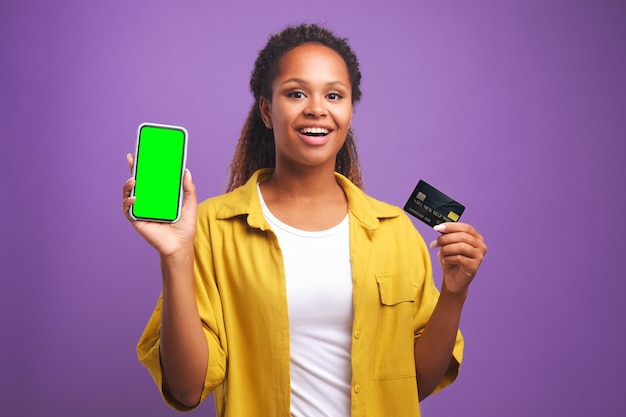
(432, 206)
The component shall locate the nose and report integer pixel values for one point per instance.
(316, 106)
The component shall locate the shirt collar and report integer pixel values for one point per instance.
(245, 201)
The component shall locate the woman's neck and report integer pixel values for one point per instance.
(306, 200)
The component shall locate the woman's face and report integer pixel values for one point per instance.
(311, 107)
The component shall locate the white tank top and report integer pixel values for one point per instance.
(319, 297)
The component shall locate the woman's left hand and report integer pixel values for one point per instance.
(461, 251)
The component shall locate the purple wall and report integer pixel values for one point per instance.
(515, 108)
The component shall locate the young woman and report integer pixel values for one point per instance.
(296, 294)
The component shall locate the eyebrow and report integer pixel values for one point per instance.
(301, 81)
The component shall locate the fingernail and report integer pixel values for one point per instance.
(440, 227)
(188, 172)
(433, 244)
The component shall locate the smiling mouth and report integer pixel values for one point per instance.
(314, 131)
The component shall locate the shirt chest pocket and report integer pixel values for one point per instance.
(394, 356)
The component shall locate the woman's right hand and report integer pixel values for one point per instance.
(167, 238)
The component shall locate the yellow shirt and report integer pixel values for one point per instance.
(241, 296)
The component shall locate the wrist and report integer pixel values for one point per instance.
(181, 256)
(458, 294)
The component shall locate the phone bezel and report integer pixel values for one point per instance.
(182, 173)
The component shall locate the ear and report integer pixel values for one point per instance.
(264, 108)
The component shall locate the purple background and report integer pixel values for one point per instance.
(515, 108)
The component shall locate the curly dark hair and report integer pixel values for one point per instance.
(255, 148)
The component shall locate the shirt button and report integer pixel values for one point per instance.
(357, 334)
(357, 389)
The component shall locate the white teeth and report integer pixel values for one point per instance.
(314, 131)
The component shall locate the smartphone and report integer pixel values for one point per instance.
(159, 166)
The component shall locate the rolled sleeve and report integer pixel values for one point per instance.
(148, 353)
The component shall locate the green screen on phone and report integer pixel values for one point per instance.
(159, 167)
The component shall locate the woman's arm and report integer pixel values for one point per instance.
(461, 251)
(184, 352)
(433, 349)
(183, 348)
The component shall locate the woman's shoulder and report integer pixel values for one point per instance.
(358, 199)
(242, 200)
(236, 200)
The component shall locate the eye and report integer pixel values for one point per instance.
(295, 94)
(334, 96)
